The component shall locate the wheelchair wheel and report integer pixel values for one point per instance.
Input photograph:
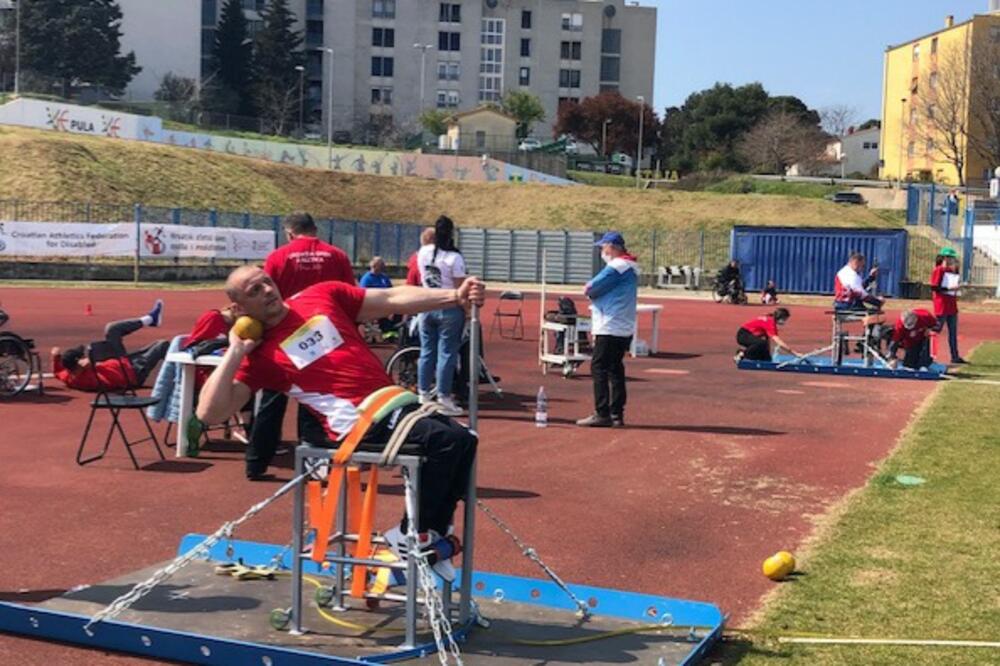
(402, 367)
(718, 297)
(740, 299)
(15, 365)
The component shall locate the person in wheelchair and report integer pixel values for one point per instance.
(126, 370)
(376, 278)
(729, 282)
(850, 293)
(911, 332)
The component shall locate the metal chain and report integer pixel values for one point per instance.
(532, 554)
(436, 616)
(143, 588)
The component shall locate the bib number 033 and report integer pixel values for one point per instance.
(312, 341)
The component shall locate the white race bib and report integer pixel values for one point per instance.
(950, 281)
(313, 340)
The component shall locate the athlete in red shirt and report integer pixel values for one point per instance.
(74, 368)
(301, 263)
(910, 333)
(944, 288)
(757, 336)
(312, 350)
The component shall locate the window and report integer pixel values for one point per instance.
(929, 148)
(524, 76)
(866, 146)
(911, 149)
(875, 147)
(447, 99)
(449, 71)
(481, 141)
(314, 34)
(449, 41)
(381, 66)
(916, 51)
(608, 87)
(253, 5)
(914, 85)
(933, 80)
(449, 12)
(526, 22)
(525, 47)
(610, 68)
(569, 78)
(572, 22)
(208, 12)
(930, 111)
(913, 115)
(491, 58)
(385, 37)
(569, 50)
(934, 47)
(563, 101)
(611, 40)
(382, 96)
(383, 8)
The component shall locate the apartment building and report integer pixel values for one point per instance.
(393, 58)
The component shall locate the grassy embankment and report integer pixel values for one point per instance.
(905, 562)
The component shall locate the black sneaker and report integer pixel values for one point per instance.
(595, 421)
(617, 421)
(959, 361)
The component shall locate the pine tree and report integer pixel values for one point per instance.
(277, 54)
(229, 84)
(75, 43)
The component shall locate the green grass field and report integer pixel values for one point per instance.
(905, 562)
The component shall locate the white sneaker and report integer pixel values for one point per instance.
(448, 406)
(430, 543)
(426, 397)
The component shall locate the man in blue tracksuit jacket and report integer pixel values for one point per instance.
(613, 294)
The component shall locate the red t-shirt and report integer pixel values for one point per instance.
(210, 326)
(306, 261)
(316, 355)
(413, 272)
(114, 375)
(907, 339)
(764, 326)
(944, 304)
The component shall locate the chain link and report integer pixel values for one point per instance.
(532, 555)
(143, 588)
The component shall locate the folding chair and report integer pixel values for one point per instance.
(516, 314)
(115, 401)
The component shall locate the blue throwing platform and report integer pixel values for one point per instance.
(822, 365)
(200, 617)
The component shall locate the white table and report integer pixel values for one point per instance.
(188, 367)
(654, 343)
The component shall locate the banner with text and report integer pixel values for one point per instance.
(159, 241)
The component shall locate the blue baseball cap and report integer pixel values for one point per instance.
(611, 238)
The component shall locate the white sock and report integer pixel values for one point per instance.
(146, 320)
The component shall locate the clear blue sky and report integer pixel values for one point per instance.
(824, 51)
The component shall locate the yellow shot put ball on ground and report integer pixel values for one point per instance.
(779, 566)
(248, 328)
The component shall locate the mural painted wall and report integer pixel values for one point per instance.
(92, 121)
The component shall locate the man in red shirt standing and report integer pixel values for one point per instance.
(125, 370)
(304, 261)
(312, 350)
(910, 333)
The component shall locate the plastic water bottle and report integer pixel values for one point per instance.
(541, 409)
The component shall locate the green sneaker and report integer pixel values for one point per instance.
(194, 429)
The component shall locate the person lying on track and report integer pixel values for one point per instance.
(911, 332)
(126, 370)
(758, 338)
(311, 350)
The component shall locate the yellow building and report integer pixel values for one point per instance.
(926, 97)
(484, 129)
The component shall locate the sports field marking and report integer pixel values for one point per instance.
(789, 391)
(826, 384)
(668, 371)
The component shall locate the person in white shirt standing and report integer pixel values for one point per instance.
(441, 267)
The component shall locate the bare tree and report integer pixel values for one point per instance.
(984, 101)
(838, 119)
(939, 110)
(780, 140)
(277, 105)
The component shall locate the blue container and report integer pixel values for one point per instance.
(805, 260)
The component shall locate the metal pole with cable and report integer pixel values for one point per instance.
(17, 48)
(469, 522)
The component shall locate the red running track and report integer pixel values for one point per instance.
(717, 469)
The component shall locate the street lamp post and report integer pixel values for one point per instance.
(329, 106)
(604, 138)
(17, 48)
(423, 48)
(642, 116)
(302, 75)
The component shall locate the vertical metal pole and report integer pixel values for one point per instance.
(329, 111)
(638, 153)
(655, 239)
(341, 550)
(297, 516)
(138, 241)
(469, 527)
(412, 586)
(17, 48)
(701, 251)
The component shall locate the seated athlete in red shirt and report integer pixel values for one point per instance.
(757, 336)
(73, 367)
(312, 351)
(910, 333)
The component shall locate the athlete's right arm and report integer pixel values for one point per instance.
(222, 396)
